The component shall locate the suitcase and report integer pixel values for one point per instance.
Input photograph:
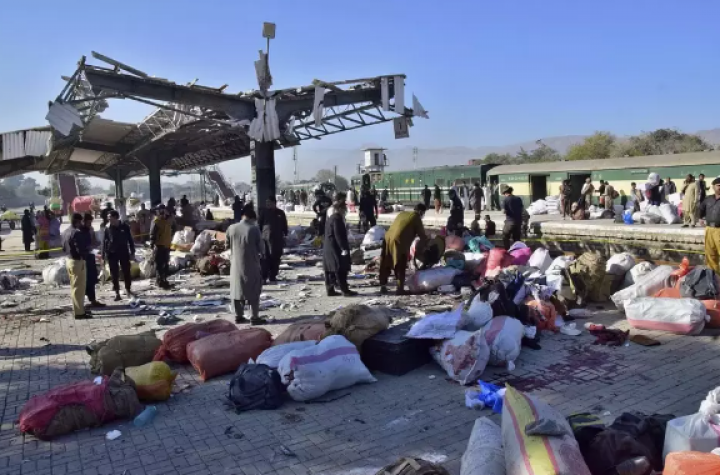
(392, 353)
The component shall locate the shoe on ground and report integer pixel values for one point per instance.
(254, 321)
(117, 298)
(332, 293)
(349, 293)
(241, 320)
(401, 292)
(684, 225)
(87, 316)
(97, 304)
(383, 290)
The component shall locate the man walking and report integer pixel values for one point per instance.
(513, 208)
(245, 243)
(396, 246)
(702, 188)
(117, 248)
(237, 208)
(336, 250)
(477, 198)
(669, 188)
(274, 226)
(161, 233)
(28, 229)
(437, 196)
(75, 246)
(426, 195)
(609, 195)
(367, 206)
(90, 262)
(710, 212)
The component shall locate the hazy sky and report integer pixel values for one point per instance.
(490, 73)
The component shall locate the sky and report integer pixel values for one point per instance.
(488, 72)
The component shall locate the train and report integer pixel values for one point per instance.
(535, 181)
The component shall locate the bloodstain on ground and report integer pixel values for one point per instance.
(581, 365)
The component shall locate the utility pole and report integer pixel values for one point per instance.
(415, 157)
(295, 160)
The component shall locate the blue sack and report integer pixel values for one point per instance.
(627, 217)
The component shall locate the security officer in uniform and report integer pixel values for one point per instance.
(710, 212)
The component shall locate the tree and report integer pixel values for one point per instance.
(599, 145)
(84, 186)
(660, 142)
(499, 159)
(27, 188)
(328, 176)
(541, 154)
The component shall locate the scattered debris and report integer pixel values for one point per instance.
(113, 434)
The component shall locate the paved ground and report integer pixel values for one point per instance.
(357, 434)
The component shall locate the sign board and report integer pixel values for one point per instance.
(520, 177)
(402, 131)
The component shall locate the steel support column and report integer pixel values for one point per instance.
(262, 161)
(153, 167)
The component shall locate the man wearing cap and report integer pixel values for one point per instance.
(710, 212)
(161, 233)
(76, 246)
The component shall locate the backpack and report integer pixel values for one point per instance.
(588, 273)
(255, 386)
(412, 466)
(700, 283)
(615, 194)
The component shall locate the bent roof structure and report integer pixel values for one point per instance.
(193, 126)
(623, 163)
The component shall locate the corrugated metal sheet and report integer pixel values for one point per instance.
(13, 145)
(37, 143)
(62, 117)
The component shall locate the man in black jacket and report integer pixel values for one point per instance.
(336, 250)
(118, 247)
(513, 208)
(367, 206)
(426, 194)
(274, 227)
(320, 207)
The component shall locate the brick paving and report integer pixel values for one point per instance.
(420, 414)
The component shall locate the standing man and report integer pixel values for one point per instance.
(118, 246)
(669, 188)
(456, 221)
(689, 202)
(710, 212)
(303, 197)
(244, 241)
(513, 208)
(274, 227)
(426, 195)
(161, 233)
(90, 263)
(28, 229)
(171, 207)
(237, 208)
(496, 196)
(477, 198)
(702, 188)
(320, 207)
(637, 196)
(104, 214)
(74, 245)
(437, 196)
(367, 207)
(384, 196)
(336, 250)
(601, 193)
(565, 197)
(396, 246)
(143, 218)
(609, 195)
(587, 191)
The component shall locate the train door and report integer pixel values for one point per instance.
(577, 180)
(538, 187)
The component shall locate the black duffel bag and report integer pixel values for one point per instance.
(255, 386)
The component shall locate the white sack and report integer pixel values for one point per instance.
(477, 315)
(484, 454)
(463, 357)
(619, 264)
(147, 269)
(332, 364)
(668, 213)
(430, 279)
(202, 244)
(273, 355)
(697, 432)
(680, 316)
(56, 273)
(645, 286)
(540, 259)
(437, 326)
(504, 336)
(640, 269)
(559, 265)
(374, 235)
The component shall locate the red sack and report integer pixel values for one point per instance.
(498, 257)
(691, 463)
(711, 306)
(301, 331)
(80, 405)
(454, 242)
(222, 353)
(176, 340)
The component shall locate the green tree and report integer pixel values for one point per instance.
(660, 142)
(84, 186)
(598, 145)
(328, 176)
(499, 159)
